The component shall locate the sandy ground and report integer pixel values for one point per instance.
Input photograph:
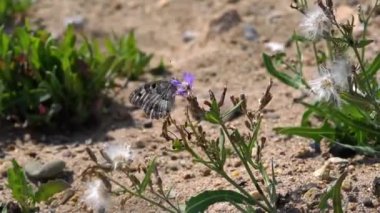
(216, 59)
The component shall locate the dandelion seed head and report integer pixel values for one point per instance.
(316, 24)
(340, 70)
(119, 154)
(96, 196)
(324, 88)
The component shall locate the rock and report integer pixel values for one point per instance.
(139, 144)
(324, 172)
(304, 153)
(311, 197)
(250, 33)
(337, 160)
(205, 172)
(367, 202)
(188, 176)
(316, 146)
(275, 47)
(148, 124)
(37, 170)
(77, 21)
(173, 166)
(225, 22)
(256, 195)
(67, 154)
(188, 36)
(376, 187)
(352, 206)
(88, 141)
(237, 163)
(347, 185)
(353, 198)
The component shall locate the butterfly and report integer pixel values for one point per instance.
(157, 98)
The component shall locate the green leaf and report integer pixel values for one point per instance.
(47, 190)
(308, 132)
(334, 193)
(202, 201)
(147, 178)
(363, 43)
(286, 79)
(213, 115)
(374, 67)
(21, 190)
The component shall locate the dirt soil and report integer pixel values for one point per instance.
(164, 28)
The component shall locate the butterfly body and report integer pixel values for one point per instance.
(155, 98)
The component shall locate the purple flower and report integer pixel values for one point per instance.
(183, 87)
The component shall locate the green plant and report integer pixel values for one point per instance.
(135, 60)
(346, 111)
(55, 82)
(333, 192)
(25, 194)
(9, 9)
(211, 152)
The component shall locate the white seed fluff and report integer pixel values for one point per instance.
(119, 154)
(315, 24)
(96, 196)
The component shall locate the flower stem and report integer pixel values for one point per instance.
(140, 196)
(257, 186)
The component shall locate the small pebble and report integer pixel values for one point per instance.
(88, 141)
(67, 154)
(205, 172)
(316, 147)
(352, 206)
(275, 47)
(376, 186)
(77, 21)
(367, 202)
(173, 166)
(250, 33)
(139, 144)
(148, 124)
(188, 176)
(225, 22)
(256, 195)
(324, 172)
(347, 185)
(311, 197)
(237, 163)
(353, 198)
(188, 36)
(304, 153)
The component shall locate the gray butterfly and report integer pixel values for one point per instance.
(155, 98)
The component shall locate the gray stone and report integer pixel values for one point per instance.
(37, 170)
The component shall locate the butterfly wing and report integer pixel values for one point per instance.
(155, 98)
